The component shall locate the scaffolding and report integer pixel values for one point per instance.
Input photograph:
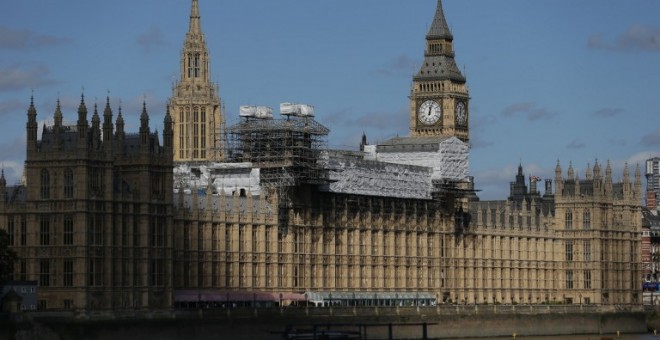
(287, 151)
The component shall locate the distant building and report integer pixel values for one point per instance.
(652, 182)
(26, 290)
(651, 247)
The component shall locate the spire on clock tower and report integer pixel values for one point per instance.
(439, 100)
(439, 28)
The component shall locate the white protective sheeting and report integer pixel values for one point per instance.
(360, 177)
(298, 110)
(449, 158)
(260, 112)
(224, 177)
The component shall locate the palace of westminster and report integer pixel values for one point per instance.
(108, 219)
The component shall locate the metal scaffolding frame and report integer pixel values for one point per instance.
(286, 151)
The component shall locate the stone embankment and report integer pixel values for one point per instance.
(367, 323)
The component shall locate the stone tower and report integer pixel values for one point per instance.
(197, 112)
(439, 99)
(94, 211)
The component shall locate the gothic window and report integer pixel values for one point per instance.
(11, 230)
(95, 274)
(157, 232)
(95, 232)
(587, 279)
(68, 183)
(569, 279)
(23, 230)
(587, 250)
(44, 273)
(44, 232)
(586, 219)
(569, 219)
(68, 273)
(190, 65)
(569, 250)
(68, 229)
(196, 65)
(45, 184)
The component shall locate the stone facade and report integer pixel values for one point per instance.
(92, 223)
(580, 244)
(98, 226)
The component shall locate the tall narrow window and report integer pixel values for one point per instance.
(587, 279)
(68, 183)
(569, 250)
(190, 65)
(44, 230)
(587, 250)
(569, 219)
(569, 279)
(157, 272)
(11, 230)
(586, 219)
(44, 273)
(197, 64)
(45, 184)
(23, 230)
(68, 273)
(68, 229)
(95, 274)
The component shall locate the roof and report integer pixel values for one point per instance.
(439, 29)
(440, 67)
(400, 144)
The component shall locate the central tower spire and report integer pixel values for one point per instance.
(195, 27)
(195, 107)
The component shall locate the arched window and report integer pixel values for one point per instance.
(68, 183)
(45, 184)
(569, 219)
(586, 219)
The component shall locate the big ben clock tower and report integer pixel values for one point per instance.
(439, 99)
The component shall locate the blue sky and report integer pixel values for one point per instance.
(550, 80)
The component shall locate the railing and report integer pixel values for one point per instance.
(312, 312)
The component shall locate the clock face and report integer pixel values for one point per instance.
(429, 112)
(461, 116)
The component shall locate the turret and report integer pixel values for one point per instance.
(168, 132)
(107, 127)
(608, 180)
(627, 185)
(96, 129)
(120, 135)
(57, 128)
(82, 123)
(571, 172)
(32, 127)
(144, 129)
(598, 184)
(3, 188)
(589, 175)
(559, 181)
